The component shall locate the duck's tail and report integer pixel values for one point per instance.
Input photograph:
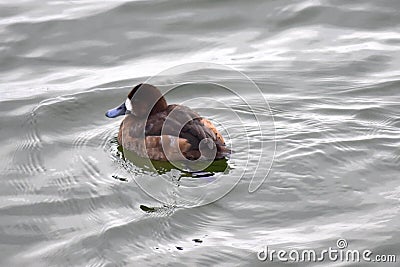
(222, 152)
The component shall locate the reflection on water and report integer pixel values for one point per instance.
(162, 167)
(328, 68)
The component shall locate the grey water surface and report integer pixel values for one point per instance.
(330, 70)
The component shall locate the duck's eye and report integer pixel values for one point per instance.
(128, 104)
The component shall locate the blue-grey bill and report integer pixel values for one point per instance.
(115, 112)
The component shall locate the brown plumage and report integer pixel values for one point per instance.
(153, 129)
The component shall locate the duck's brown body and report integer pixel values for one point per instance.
(168, 132)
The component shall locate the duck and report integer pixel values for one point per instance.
(153, 129)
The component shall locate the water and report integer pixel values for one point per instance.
(329, 70)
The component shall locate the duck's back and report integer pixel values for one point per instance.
(181, 121)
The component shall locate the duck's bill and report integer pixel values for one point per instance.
(115, 112)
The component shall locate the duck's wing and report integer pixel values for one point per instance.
(222, 149)
(208, 124)
(183, 122)
(186, 123)
(175, 120)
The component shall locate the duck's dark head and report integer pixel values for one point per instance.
(143, 100)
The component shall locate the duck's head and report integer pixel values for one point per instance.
(143, 100)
